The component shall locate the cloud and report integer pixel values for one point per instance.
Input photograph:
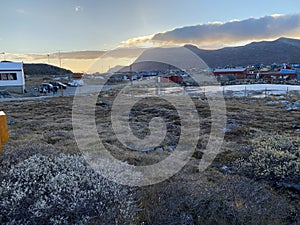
(277, 15)
(143, 41)
(118, 53)
(37, 57)
(79, 54)
(124, 53)
(21, 11)
(218, 34)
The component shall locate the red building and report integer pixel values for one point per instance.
(173, 78)
(238, 73)
(78, 75)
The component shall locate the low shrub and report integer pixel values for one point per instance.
(236, 200)
(62, 190)
(274, 158)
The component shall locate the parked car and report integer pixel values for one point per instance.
(59, 84)
(45, 87)
(76, 83)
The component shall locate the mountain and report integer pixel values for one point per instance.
(146, 66)
(44, 69)
(282, 50)
(165, 59)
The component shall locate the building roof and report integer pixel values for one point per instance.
(295, 65)
(11, 65)
(233, 70)
(286, 71)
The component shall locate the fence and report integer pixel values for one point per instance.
(249, 91)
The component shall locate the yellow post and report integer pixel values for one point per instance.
(3, 129)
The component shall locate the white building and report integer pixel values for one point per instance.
(12, 77)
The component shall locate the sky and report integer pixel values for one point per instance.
(40, 27)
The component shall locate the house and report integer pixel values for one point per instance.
(238, 73)
(282, 74)
(289, 73)
(295, 65)
(12, 77)
(78, 75)
(148, 73)
(173, 78)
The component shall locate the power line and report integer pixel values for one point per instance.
(59, 58)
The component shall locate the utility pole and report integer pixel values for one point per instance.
(131, 78)
(3, 53)
(59, 58)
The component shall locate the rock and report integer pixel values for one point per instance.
(159, 148)
(293, 106)
(291, 186)
(171, 148)
(272, 102)
(225, 169)
(103, 104)
(197, 154)
(230, 126)
(126, 113)
(44, 103)
(284, 101)
(11, 122)
(147, 150)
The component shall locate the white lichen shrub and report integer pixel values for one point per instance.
(62, 190)
(275, 158)
(116, 171)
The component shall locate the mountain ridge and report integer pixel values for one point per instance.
(281, 50)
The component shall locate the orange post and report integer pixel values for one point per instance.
(3, 129)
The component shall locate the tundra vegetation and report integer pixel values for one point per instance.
(253, 180)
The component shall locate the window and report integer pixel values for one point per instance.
(8, 76)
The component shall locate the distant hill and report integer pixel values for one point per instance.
(115, 69)
(44, 69)
(282, 50)
(147, 66)
(165, 59)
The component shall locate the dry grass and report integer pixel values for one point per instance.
(213, 197)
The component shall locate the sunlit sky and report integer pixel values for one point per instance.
(42, 27)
